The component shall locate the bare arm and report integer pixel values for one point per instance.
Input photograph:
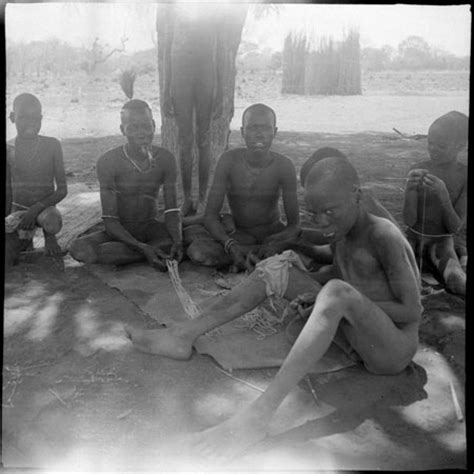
(410, 203)
(60, 178)
(172, 215)
(290, 204)
(402, 279)
(212, 220)
(454, 214)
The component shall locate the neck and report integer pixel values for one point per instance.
(136, 151)
(360, 225)
(257, 158)
(27, 139)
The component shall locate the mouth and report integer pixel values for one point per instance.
(329, 235)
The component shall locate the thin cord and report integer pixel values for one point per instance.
(422, 230)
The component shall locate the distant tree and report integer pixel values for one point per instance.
(97, 54)
(414, 53)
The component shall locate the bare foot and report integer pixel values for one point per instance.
(225, 441)
(201, 207)
(51, 246)
(165, 342)
(188, 208)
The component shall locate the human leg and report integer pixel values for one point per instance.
(382, 346)
(444, 257)
(12, 248)
(86, 248)
(183, 104)
(50, 220)
(177, 340)
(204, 97)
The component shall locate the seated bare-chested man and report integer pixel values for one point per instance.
(130, 178)
(370, 298)
(252, 179)
(435, 199)
(312, 242)
(36, 182)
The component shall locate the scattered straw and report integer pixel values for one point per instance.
(189, 306)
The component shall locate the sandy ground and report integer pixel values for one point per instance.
(77, 396)
(410, 105)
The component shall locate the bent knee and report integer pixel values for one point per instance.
(83, 251)
(209, 254)
(339, 289)
(50, 220)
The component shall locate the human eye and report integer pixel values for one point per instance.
(328, 212)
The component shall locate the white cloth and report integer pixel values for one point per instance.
(274, 271)
(11, 225)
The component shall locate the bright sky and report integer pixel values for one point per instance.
(447, 27)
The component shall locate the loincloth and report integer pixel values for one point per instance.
(12, 222)
(275, 270)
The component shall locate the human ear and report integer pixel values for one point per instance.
(122, 129)
(12, 117)
(275, 131)
(242, 131)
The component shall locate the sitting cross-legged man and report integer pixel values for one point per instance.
(252, 179)
(130, 178)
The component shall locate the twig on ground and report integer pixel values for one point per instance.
(313, 392)
(57, 396)
(457, 407)
(240, 380)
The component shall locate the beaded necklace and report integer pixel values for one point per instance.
(134, 164)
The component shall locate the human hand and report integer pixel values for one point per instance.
(168, 107)
(155, 257)
(176, 252)
(303, 304)
(28, 220)
(436, 185)
(414, 178)
(269, 249)
(239, 257)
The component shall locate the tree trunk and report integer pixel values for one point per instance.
(232, 23)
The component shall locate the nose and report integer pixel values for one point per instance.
(320, 221)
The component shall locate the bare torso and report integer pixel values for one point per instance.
(32, 171)
(136, 193)
(359, 262)
(430, 219)
(253, 193)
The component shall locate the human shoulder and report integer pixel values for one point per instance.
(108, 160)
(49, 141)
(231, 157)
(161, 153)
(384, 233)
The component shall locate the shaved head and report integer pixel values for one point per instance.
(26, 99)
(135, 106)
(318, 155)
(262, 108)
(334, 170)
(454, 126)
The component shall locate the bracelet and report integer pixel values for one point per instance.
(175, 209)
(228, 244)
